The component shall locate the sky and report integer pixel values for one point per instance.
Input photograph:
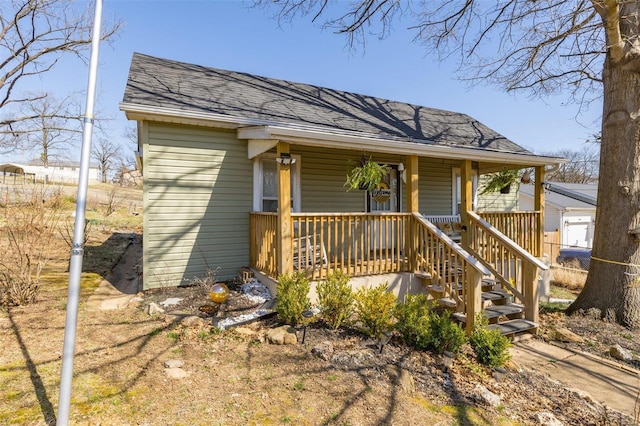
(231, 35)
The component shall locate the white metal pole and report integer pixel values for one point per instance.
(77, 250)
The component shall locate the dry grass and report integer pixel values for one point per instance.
(570, 278)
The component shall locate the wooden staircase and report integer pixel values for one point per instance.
(497, 306)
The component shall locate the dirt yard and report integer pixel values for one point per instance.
(132, 368)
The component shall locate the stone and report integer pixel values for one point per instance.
(176, 373)
(153, 308)
(193, 320)
(170, 301)
(323, 350)
(401, 377)
(585, 395)
(620, 353)
(486, 396)
(567, 336)
(283, 335)
(547, 419)
(245, 331)
(174, 363)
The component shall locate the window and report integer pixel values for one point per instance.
(457, 188)
(265, 184)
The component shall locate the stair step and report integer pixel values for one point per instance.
(513, 327)
(447, 303)
(495, 295)
(494, 311)
(423, 275)
(436, 288)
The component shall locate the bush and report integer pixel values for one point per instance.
(422, 328)
(490, 346)
(293, 297)
(375, 307)
(27, 240)
(446, 335)
(413, 320)
(336, 299)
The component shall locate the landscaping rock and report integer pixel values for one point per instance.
(170, 301)
(153, 308)
(547, 419)
(401, 377)
(245, 331)
(186, 320)
(567, 336)
(284, 335)
(485, 395)
(620, 353)
(323, 350)
(176, 373)
(174, 363)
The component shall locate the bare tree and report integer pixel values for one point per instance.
(107, 154)
(581, 167)
(591, 48)
(34, 35)
(49, 126)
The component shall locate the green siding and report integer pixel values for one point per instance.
(322, 176)
(495, 201)
(323, 173)
(434, 188)
(198, 189)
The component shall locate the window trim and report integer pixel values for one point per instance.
(258, 177)
(455, 173)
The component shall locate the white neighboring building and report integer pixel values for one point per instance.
(570, 208)
(56, 172)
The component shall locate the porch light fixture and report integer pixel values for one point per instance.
(285, 159)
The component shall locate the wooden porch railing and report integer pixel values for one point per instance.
(263, 245)
(520, 227)
(457, 273)
(514, 267)
(356, 243)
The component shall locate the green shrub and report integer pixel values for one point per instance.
(413, 320)
(336, 299)
(423, 328)
(445, 335)
(293, 297)
(490, 346)
(375, 307)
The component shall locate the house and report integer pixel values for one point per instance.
(241, 169)
(55, 172)
(570, 211)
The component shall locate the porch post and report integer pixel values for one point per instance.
(412, 184)
(466, 199)
(538, 205)
(284, 241)
(412, 207)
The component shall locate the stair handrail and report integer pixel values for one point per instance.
(530, 265)
(490, 229)
(469, 259)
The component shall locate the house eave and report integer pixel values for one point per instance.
(250, 129)
(320, 138)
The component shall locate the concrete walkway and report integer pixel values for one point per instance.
(123, 283)
(610, 383)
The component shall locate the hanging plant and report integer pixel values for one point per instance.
(500, 182)
(365, 175)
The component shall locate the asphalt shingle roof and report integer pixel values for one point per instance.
(192, 88)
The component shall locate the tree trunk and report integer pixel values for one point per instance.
(613, 282)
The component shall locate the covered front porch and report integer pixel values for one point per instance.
(495, 253)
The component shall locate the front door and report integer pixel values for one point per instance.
(384, 199)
